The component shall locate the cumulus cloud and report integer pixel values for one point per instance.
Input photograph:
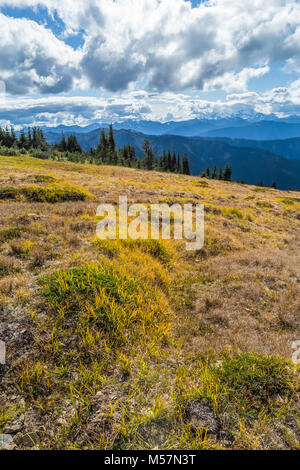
(149, 59)
(79, 110)
(83, 110)
(163, 44)
(32, 59)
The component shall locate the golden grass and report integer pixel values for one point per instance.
(109, 341)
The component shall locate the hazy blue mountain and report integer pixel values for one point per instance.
(256, 127)
(288, 148)
(263, 130)
(62, 129)
(249, 164)
(192, 127)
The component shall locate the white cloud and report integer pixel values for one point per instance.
(82, 110)
(165, 44)
(148, 59)
(32, 59)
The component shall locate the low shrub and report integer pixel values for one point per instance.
(254, 382)
(10, 233)
(6, 267)
(156, 248)
(8, 192)
(101, 296)
(52, 193)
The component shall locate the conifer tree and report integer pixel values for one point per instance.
(178, 164)
(23, 142)
(227, 173)
(174, 162)
(149, 159)
(169, 161)
(185, 165)
(214, 173)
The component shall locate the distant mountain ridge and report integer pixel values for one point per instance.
(236, 127)
(248, 163)
(263, 130)
(287, 148)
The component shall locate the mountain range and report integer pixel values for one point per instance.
(254, 128)
(251, 160)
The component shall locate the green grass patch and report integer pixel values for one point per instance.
(51, 193)
(8, 192)
(264, 204)
(104, 298)
(6, 267)
(11, 233)
(256, 384)
(233, 212)
(246, 385)
(286, 201)
(156, 248)
(44, 179)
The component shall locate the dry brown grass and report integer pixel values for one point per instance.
(239, 293)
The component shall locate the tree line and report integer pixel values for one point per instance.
(32, 139)
(218, 173)
(106, 153)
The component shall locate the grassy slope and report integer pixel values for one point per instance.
(141, 344)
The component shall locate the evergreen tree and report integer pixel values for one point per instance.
(23, 142)
(14, 140)
(169, 162)
(174, 162)
(185, 165)
(132, 155)
(62, 146)
(178, 164)
(102, 149)
(111, 146)
(29, 138)
(214, 173)
(227, 173)
(72, 145)
(149, 159)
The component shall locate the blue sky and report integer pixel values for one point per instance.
(82, 61)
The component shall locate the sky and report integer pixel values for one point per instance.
(85, 61)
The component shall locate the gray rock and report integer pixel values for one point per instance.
(14, 427)
(6, 442)
(28, 440)
(201, 415)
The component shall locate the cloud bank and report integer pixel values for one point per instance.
(157, 46)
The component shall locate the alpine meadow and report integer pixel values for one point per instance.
(149, 228)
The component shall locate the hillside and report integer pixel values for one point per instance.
(263, 130)
(287, 148)
(248, 164)
(142, 344)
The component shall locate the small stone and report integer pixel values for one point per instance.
(29, 440)
(6, 442)
(14, 427)
(201, 415)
